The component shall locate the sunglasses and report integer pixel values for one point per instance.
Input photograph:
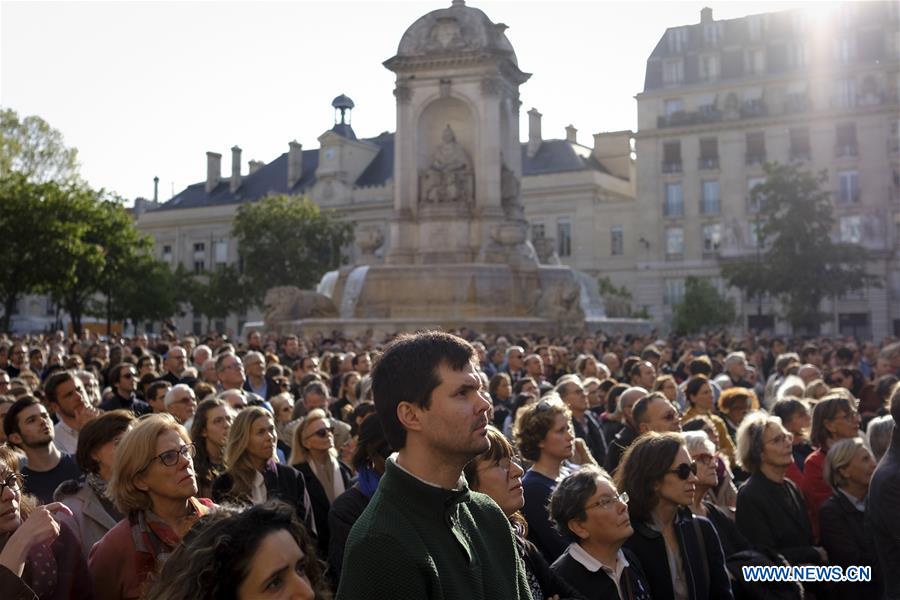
(684, 470)
(322, 433)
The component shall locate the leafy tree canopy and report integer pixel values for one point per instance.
(31, 147)
(702, 308)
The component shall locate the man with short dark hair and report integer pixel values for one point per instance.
(585, 424)
(156, 395)
(362, 363)
(121, 378)
(534, 368)
(175, 364)
(424, 534)
(28, 426)
(67, 397)
(629, 432)
(17, 354)
(642, 374)
(654, 412)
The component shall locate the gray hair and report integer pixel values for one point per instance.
(253, 354)
(878, 434)
(750, 442)
(571, 494)
(839, 456)
(636, 391)
(791, 386)
(175, 392)
(698, 441)
(735, 358)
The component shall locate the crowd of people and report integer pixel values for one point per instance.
(446, 465)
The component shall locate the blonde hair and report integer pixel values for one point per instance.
(133, 454)
(299, 453)
(839, 456)
(238, 463)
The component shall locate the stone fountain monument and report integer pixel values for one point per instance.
(457, 253)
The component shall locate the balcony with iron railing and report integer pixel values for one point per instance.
(846, 150)
(753, 109)
(755, 158)
(671, 167)
(683, 118)
(708, 162)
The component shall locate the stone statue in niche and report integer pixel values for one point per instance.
(449, 177)
(509, 193)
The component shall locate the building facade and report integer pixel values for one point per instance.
(723, 97)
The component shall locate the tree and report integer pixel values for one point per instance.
(287, 240)
(148, 290)
(32, 148)
(218, 293)
(801, 264)
(702, 308)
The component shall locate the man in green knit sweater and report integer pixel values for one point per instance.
(425, 535)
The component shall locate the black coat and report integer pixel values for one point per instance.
(319, 501)
(707, 581)
(592, 435)
(282, 483)
(617, 448)
(843, 532)
(345, 510)
(883, 515)
(773, 516)
(598, 585)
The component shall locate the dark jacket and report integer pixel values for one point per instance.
(617, 448)
(592, 435)
(282, 482)
(345, 510)
(773, 516)
(733, 541)
(319, 501)
(541, 532)
(704, 581)
(544, 582)
(598, 585)
(132, 403)
(883, 516)
(843, 534)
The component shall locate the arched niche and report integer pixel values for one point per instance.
(458, 187)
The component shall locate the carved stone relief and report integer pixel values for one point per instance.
(449, 178)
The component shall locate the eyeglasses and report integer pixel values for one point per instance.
(14, 482)
(128, 375)
(781, 438)
(322, 433)
(608, 501)
(169, 458)
(684, 470)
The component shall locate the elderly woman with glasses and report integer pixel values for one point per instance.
(154, 485)
(497, 473)
(544, 435)
(315, 458)
(771, 513)
(834, 418)
(848, 470)
(680, 553)
(40, 556)
(587, 508)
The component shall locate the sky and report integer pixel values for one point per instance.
(145, 89)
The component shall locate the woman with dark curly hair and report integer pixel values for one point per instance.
(544, 435)
(209, 432)
(262, 552)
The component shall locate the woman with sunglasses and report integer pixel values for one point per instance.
(209, 430)
(252, 475)
(497, 473)
(588, 509)
(315, 458)
(680, 553)
(544, 435)
(40, 556)
(154, 485)
(834, 418)
(770, 509)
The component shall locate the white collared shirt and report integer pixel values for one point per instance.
(593, 565)
(258, 493)
(65, 438)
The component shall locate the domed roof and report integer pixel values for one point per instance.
(342, 101)
(459, 28)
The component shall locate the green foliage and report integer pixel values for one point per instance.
(147, 290)
(802, 265)
(702, 308)
(218, 293)
(287, 240)
(617, 300)
(32, 148)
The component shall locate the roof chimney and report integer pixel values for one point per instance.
(295, 163)
(255, 165)
(213, 170)
(571, 134)
(156, 189)
(706, 15)
(534, 132)
(235, 169)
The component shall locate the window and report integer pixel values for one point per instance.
(851, 229)
(672, 157)
(848, 187)
(617, 241)
(677, 39)
(673, 71)
(753, 205)
(797, 55)
(537, 231)
(845, 93)
(564, 237)
(674, 205)
(199, 257)
(846, 139)
(712, 237)
(674, 241)
(712, 33)
(710, 201)
(709, 153)
(709, 67)
(756, 147)
(674, 292)
(756, 61)
(167, 253)
(844, 50)
(755, 27)
(222, 252)
(673, 106)
(800, 149)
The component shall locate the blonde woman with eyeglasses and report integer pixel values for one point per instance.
(154, 484)
(315, 458)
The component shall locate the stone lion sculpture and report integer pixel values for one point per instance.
(560, 301)
(289, 303)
